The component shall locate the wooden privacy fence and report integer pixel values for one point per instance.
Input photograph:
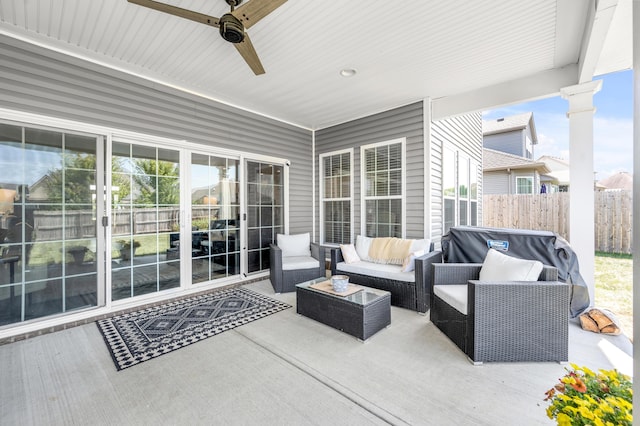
(52, 225)
(550, 212)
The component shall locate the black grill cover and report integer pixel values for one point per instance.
(468, 244)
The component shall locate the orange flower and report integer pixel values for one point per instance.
(579, 385)
(550, 394)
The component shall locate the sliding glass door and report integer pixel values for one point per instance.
(49, 250)
(176, 217)
(145, 210)
(215, 217)
(265, 211)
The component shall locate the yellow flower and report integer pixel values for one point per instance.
(585, 412)
(563, 420)
(584, 397)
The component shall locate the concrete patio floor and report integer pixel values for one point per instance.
(286, 369)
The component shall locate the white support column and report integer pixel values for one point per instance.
(636, 198)
(581, 184)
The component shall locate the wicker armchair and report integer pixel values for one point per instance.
(285, 277)
(505, 321)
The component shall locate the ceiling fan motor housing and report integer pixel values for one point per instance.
(231, 29)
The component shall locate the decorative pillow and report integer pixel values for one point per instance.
(349, 253)
(294, 245)
(362, 247)
(501, 267)
(420, 245)
(409, 263)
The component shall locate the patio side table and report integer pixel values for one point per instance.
(361, 314)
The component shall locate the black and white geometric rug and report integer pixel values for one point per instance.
(142, 335)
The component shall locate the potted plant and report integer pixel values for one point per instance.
(125, 248)
(583, 397)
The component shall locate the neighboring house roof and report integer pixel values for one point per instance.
(559, 168)
(554, 163)
(493, 160)
(621, 180)
(507, 124)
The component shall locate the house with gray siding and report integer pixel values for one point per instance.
(515, 134)
(195, 189)
(511, 174)
(143, 157)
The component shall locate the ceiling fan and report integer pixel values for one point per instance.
(232, 25)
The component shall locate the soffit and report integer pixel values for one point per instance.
(403, 52)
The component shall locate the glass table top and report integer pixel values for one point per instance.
(362, 297)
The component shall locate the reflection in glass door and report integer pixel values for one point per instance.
(48, 246)
(215, 214)
(265, 211)
(145, 206)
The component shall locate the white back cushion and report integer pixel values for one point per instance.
(362, 247)
(295, 244)
(500, 267)
(418, 245)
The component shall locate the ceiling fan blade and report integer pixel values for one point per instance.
(250, 13)
(249, 54)
(178, 11)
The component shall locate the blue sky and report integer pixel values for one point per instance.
(613, 125)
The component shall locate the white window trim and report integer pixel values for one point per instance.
(453, 151)
(472, 164)
(349, 151)
(462, 157)
(528, 177)
(403, 197)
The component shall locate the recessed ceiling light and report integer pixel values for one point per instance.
(348, 72)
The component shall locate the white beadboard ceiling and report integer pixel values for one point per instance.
(402, 51)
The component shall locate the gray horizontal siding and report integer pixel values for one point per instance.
(36, 80)
(404, 122)
(509, 142)
(463, 133)
(495, 183)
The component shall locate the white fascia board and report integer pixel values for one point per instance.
(595, 35)
(542, 85)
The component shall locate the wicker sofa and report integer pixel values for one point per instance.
(504, 320)
(408, 290)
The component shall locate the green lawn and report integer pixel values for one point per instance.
(614, 287)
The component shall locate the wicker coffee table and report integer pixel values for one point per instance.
(360, 314)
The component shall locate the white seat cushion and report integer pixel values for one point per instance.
(455, 295)
(500, 267)
(299, 262)
(294, 245)
(391, 272)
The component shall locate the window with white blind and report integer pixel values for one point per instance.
(383, 189)
(336, 181)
